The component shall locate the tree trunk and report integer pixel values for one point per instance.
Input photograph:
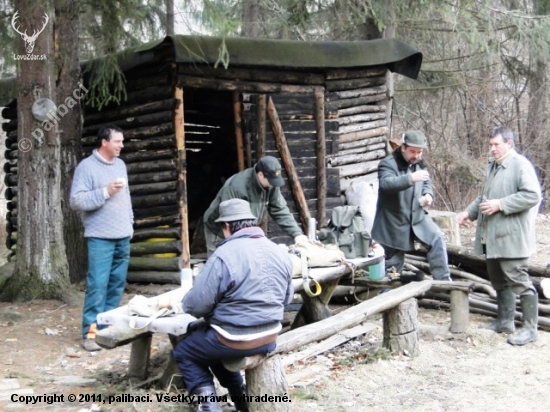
(70, 127)
(250, 24)
(41, 268)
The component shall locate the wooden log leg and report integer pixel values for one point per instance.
(460, 311)
(267, 379)
(315, 308)
(171, 375)
(401, 328)
(139, 357)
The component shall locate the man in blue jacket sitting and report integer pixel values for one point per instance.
(241, 293)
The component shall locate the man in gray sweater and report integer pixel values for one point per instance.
(100, 192)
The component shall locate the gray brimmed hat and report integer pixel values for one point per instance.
(271, 168)
(235, 209)
(415, 138)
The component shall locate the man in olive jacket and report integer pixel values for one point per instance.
(259, 186)
(404, 190)
(506, 210)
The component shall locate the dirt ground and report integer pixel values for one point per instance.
(474, 371)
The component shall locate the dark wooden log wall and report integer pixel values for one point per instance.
(356, 128)
(356, 132)
(147, 118)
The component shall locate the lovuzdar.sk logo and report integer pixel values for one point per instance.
(29, 40)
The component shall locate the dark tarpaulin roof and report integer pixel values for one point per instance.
(398, 56)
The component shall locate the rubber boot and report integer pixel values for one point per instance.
(206, 403)
(238, 397)
(506, 310)
(528, 332)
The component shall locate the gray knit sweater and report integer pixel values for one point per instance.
(104, 218)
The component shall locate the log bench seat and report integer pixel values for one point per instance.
(398, 306)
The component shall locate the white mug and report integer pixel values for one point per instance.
(122, 181)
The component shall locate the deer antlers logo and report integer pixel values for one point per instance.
(29, 40)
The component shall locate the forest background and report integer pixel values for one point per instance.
(485, 64)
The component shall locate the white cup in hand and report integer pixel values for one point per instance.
(122, 181)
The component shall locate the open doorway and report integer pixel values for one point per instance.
(211, 152)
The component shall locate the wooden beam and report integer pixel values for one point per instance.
(244, 86)
(261, 126)
(182, 178)
(321, 159)
(284, 152)
(237, 111)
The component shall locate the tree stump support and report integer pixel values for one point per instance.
(401, 328)
(268, 374)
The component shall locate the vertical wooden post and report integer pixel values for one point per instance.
(261, 126)
(460, 311)
(282, 147)
(237, 110)
(321, 158)
(139, 357)
(182, 178)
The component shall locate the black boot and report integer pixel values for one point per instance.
(205, 403)
(528, 333)
(238, 397)
(506, 310)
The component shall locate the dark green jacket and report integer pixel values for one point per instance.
(245, 185)
(399, 216)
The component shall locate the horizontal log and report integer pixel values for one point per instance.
(10, 179)
(158, 199)
(142, 81)
(348, 318)
(150, 188)
(149, 94)
(358, 169)
(156, 211)
(355, 139)
(357, 127)
(256, 75)
(347, 84)
(11, 154)
(10, 192)
(162, 142)
(356, 158)
(166, 176)
(163, 165)
(334, 106)
(171, 220)
(147, 155)
(243, 86)
(151, 276)
(130, 111)
(111, 338)
(337, 74)
(367, 147)
(361, 92)
(132, 122)
(154, 263)
(366, 108)
(152, 248)
(156, 232)
(360, 118)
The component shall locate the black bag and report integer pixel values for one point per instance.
(346, 229)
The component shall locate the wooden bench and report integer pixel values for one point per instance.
(313, 309)
(265, 375)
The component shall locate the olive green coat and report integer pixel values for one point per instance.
(510, 232)
(245, 185)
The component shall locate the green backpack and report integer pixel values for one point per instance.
(346, 229)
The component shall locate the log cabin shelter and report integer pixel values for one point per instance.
(199, 109)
